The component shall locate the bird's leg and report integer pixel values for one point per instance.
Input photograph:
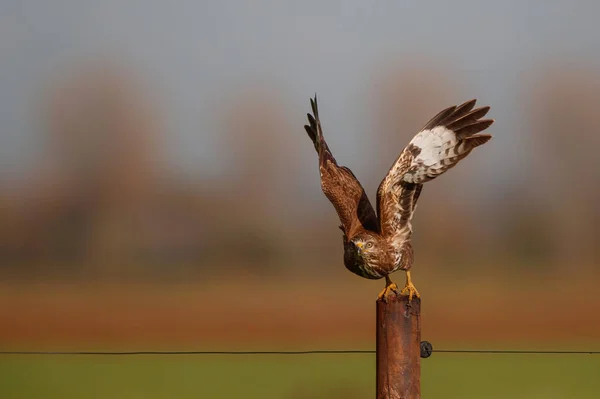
(409, 289)
(389, 288)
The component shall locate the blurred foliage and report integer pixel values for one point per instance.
(103, 204)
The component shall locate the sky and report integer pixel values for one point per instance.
(196, 55)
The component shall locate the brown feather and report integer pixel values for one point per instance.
(340, 185)
(439, 118)
(418, 190)
(408, 257)
(476, 141)
(473, 128)
(468, 118)
(464, 109)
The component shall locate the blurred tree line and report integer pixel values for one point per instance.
(102, 203)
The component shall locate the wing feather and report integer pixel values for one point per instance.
(467, 119)
(340, 185)
(439, 148)
(446, 139)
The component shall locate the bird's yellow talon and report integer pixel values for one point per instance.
(410, 291)
(387, 291)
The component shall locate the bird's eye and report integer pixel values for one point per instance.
(369, 245)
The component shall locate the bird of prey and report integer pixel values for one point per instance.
(378, 244)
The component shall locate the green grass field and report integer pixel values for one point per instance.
(444, 376)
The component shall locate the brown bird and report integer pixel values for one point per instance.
(376, 245)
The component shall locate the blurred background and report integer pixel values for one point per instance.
(158, 191)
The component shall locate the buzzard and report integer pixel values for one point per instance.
(378, 244)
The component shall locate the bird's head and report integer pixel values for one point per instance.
(366, 245)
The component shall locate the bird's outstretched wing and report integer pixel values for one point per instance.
(446, 139)
(340, 185)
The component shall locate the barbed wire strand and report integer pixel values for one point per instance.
(305, 352)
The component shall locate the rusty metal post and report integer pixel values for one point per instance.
(398, 348)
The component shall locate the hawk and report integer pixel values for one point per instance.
(378, 244)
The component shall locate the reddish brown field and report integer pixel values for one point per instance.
(254, 313)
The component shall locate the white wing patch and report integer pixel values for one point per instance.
(433, 143)
(440, 149)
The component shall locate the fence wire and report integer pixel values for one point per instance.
(304, 352)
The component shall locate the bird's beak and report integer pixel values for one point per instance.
(359, 245)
